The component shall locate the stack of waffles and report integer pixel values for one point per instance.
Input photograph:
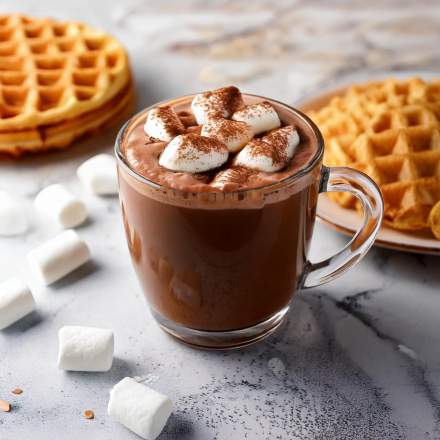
(58, 81)
(390, 130)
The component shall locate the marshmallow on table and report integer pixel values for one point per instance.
(58, 257)
(13, 219)
(139, 408)
(85, 348)
(61, 206)
(270, 153)
(235, 135)
(16, 301)
(193, 153)
(98, 174)
(261, 117)
(163, 123)
(220, 103)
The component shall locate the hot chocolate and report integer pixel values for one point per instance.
(220, 233)
(243, 166)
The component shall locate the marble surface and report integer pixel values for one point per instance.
(357, 359)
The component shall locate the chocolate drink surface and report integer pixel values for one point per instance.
(223, 249)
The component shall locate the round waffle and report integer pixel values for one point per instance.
(391, 131)
(58, 80)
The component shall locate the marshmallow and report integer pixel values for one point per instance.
(85, 348)
(235, 135)
(261, 117)
(271, 153)
(193, 153)
(163, 123)
(16, 301)
(231, 178)
(58, 257)
(220, 103)
(13, 219)
(139, 408)
(61, 206)
(98, 174)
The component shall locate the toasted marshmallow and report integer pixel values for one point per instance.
(271, 153)
(235, 135)
(163, 123)
(261, 117)
(139, 408)
(13, 218)
(193, 153)
(220, 103)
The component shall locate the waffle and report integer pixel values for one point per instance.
(390, 130)
(58, 80)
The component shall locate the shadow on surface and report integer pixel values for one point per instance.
(85, 270)
(27, 322)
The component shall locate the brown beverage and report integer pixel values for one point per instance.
(219, 253)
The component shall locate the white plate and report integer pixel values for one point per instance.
(348, 221)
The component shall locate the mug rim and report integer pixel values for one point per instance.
(269, 186)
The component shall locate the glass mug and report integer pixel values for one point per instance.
(219, 269)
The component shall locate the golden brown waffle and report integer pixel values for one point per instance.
(391, 131)
(57, 80)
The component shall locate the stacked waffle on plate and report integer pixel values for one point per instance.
(391, 131)
(58, 81)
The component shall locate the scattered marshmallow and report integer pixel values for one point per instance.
(220, 103)
(270, 153)
(193, 153)
(58, 257)
(261, 117)
(98, 175)
(235, 135)
(85, 348)
(163, 123)
(139, 408)
(61, 206)
(13, 219)
(16, 301)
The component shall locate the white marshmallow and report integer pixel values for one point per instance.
(163, 123)
(85, 348)
(139, 408)
(261, 117)
(58, 257)
(271, 153)
(16, 301)
(98, 175)
(13, 218)
(220, 103)
(193, 153)
(235, 135)
(286, 137)
(58, 204)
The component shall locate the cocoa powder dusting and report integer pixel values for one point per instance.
(221, 103)
(173, 124)
(200, 143)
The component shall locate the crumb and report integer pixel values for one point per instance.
(17, 391)
(89, 414)
(5, 406)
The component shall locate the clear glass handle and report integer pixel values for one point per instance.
(342, 179)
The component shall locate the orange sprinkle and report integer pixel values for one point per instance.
(5, 406)
(89, 414)
(17, 391)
